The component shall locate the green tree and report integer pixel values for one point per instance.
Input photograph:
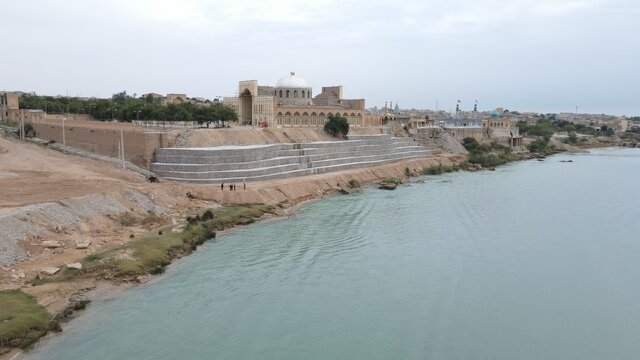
(538, 146)
(218, 112)
(121, 97)
(470, 144)
(336, 125)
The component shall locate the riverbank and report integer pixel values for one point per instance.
(137, 211)
(442, 259)
(124, 258)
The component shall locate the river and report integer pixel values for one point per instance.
(536, 260)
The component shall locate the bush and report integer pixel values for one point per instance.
(336, 125)
(352, 184)
(470, 143)
(208, 215)
(487, 159)
(538, 146)
(127, 219)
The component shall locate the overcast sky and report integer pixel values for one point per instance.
(526, 55)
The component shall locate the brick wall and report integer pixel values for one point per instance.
(139, 146)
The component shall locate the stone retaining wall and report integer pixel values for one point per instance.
(251, 163)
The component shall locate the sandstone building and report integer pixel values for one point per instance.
(290, 103)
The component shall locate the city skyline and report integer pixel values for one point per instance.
(539, 56)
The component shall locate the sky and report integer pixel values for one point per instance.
(524, 55)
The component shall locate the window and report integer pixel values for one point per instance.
(287, 93)
(281, 93)
(295, 94)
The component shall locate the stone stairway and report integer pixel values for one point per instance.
(263, 162)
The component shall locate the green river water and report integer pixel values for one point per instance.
(536, 260)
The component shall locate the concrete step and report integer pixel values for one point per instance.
(263, 162)
(226, 166)
(288, 174)
(240, 173)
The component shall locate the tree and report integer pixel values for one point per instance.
(336, 125)
(121, 97)
(538, 146)
(470, 143)
(217, 112)
(224, 112)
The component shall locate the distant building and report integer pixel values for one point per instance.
(290, 103)
(154, 96)
(10, 106)
(502, 127)
(175, 99)
(168, 99)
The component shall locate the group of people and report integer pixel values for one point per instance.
(232, 187)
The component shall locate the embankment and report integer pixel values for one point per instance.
(131, 210)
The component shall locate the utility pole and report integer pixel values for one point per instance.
(22, 124)
(2, 108)
(64, 139)
(122, 146)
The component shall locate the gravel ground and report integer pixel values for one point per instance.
(42, 220)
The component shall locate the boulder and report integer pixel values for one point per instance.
(50, 270)
(388, 186)
(50, 244)
(83, 243)
(75, 266)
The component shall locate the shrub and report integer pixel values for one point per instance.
(152, 219)
(470, 143)
(336, 125)
(157, 270)
(352, 184)
(208, 215)
(487, 159)
(127, 219)
(538, 146)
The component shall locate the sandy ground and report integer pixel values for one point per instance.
(30, 174)
(251, 136)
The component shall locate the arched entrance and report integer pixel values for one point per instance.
(246, 107)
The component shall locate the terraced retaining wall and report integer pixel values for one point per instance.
(263, 162)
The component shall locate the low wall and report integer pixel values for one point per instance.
(139, 146)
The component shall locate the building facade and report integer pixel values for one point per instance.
(290, 103)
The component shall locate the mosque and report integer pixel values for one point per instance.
(291, 104)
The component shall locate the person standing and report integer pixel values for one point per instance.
(222, 186)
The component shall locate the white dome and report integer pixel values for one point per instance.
(292, 81)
